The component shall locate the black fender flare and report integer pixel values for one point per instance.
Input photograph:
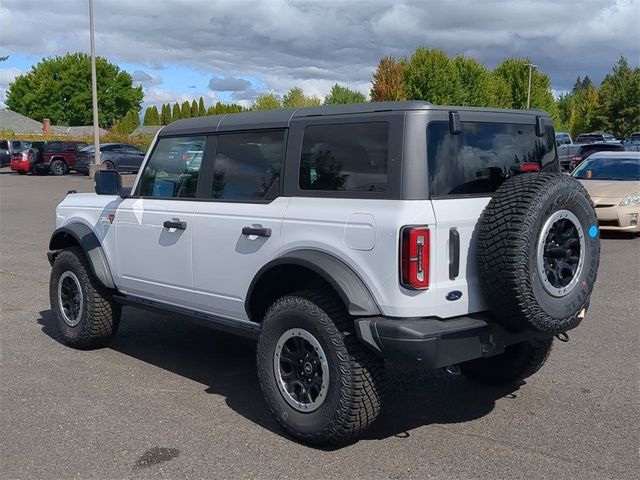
(352, 290)
(88, 241)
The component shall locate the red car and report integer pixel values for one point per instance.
(57, 157)
(23, 162)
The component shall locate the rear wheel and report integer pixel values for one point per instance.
(519, 361)
(321, 384)
(87, 316)
(58, 167)
(109, 165)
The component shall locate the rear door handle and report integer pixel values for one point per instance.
(177, 224)
(259, 232)
(454, 253)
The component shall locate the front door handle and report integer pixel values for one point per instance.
(258, 232)
(177, 224)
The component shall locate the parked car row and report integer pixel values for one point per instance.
(613, 182)
(571, 153)
(61, 157)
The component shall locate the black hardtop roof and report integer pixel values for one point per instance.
(280, 118)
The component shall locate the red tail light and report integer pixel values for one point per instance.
(414, 257)
(529, 167)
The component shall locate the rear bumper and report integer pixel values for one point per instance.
(435, 343)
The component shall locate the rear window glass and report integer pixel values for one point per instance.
(345, 157)
(480, 158)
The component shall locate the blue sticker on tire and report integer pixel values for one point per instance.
(593, 231)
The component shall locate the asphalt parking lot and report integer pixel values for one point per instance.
(175, 400)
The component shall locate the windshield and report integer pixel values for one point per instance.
(603, 168)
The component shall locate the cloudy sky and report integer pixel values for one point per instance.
(232, 50)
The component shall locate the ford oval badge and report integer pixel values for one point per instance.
(453, 296)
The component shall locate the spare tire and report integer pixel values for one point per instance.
(539, 251)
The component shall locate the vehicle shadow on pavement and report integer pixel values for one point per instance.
(225, 364)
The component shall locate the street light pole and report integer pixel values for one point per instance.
(94, 88)
(531, 67)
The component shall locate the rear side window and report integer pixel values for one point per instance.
(345, 157)
(480, 158)
(4, 145)
(248, 165)
(173, 169)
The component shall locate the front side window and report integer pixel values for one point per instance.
(173, 169)
(348, 157)
(248, 165)
(483, 155)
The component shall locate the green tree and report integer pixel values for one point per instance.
(432, 76)
(267, 101)
(185, 109)
(127, 124)
(176, 114)
(475, 82)
(151, 116)
(343, 95)
(516, 73)
(59, 88)
(201, 110)
(165, 116)
(388, 81)
(584, 110)
(619, 100)
(194, 108)
(295, 98)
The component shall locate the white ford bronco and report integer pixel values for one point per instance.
(340, 237)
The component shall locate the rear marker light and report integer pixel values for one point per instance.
(529, 167)
(414, 259)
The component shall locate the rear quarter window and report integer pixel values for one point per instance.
(480, 158)
(347, 157)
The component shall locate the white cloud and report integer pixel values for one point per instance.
(318, 43)
(7, 75)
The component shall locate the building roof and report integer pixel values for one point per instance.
(145, 130)
(18, 123)
(78, 131)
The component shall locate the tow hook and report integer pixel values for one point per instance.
(563, 337)
(452, 369)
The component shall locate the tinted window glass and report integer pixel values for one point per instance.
(128, 149)
(54, 147)
(248, 165)
(603, 168)
(4, 145)
(109, 148)
(173, 171)
(345, 157)
(480, 158)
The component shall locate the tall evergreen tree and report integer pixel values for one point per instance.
(194, 109)
(185, 109)
(176, 114)
(151, 116)
(619, 100)
(201, 110)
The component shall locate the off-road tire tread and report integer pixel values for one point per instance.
(102, 312)
(362, 379)
(503, 243)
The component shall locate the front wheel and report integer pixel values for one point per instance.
(87, 316)
(109, 165)
(517, 362)
(321, 384)
(58, 167)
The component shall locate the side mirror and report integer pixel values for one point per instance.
(107, 182)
